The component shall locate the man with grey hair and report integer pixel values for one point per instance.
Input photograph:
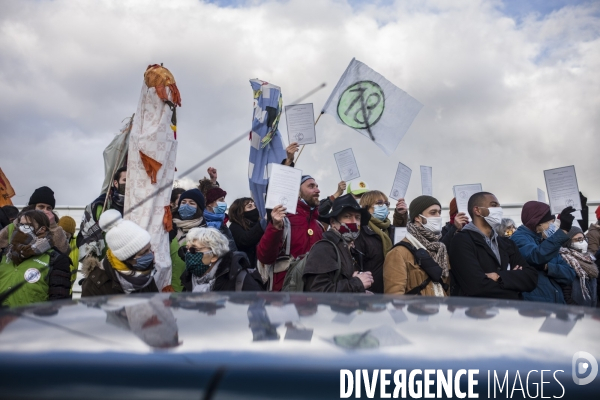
(210, 266)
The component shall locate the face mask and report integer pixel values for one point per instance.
(551, 230)
(434, 224)
(349, 232)
(121, 189)
(381, 212)
(252, 215)
(194, 263)
(581, 246)
(27, 229)
(186, 211)
(220, 208)
(144, 262)
(494, 219)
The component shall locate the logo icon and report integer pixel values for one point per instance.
(32, 275)
(361, 105)
(584, 363)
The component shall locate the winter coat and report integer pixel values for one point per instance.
(247, 240)
(321, 267)
(231, 265)
(593, 235)
(102, 281)
(58, 237)
(471, 258)
(400, 220)
(401, 273)
(370, 247)
(177, 263)
(538, 253)
(448, 232)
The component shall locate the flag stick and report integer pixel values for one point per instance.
(318, 118)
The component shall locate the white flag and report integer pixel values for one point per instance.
(370, 104)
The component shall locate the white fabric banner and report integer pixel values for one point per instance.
(373, 106)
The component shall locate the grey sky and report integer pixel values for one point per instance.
(508, 91)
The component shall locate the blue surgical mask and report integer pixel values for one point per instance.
(186, 211)
(220, 208)
(381, 212)
(550, 231)
(144, 262)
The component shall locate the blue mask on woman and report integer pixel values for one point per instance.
(144, 262)
(381, 212)
(550, 231)
(186, 211)
(220, 208)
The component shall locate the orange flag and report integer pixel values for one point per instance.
(6, 190)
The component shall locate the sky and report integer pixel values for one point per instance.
(509, 88)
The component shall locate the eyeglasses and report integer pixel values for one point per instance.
(193, 250)
(382, 203)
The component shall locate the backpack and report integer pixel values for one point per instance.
(293, 279)
(427, 264)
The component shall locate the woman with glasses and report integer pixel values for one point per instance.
(210, 265)
(584, 288)
(246, 227)
(129, 263)
(31, 263)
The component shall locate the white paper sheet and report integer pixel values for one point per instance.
(541, 195)
(563, 191)
(284, 184)
(283, 314)
(399, 234)
(401, 181)
(462, 193)
(300, 120)
(346, 164)
(426, 180)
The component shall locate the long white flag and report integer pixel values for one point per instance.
(373, 106)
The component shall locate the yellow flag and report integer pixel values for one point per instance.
(6, 190)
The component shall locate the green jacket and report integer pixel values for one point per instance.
(178, 264)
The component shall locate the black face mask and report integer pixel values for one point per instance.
(252, 215)
(121, 189)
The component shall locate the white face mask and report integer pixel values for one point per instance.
(434, 224)
(495, 216)
(581, 246)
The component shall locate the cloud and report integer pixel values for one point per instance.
(505, 97)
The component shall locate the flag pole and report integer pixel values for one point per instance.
(318, 118)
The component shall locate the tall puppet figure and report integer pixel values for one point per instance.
(151, 165)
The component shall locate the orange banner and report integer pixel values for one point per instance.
(6, 190)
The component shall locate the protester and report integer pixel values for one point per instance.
(539, 243)
(129, 263)
(175, 195)
(189, 215)
(42, 199)
(69, 226)
(90, 240)
(215, 215)
(247, 228)
(7, 215)
(304, 230)
(584, 290)
(327, 202)
(456, 223)
(593, 234)
(376, 238)
(31, 261)
(321, 272)
(210, 265)
(506, 228)
(484, 264)
(360, 189)
(420, 264)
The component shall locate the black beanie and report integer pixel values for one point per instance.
(420, 204)
(42, 195)
(196, 195)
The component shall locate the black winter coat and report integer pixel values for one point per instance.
(247, 240)
(471, 258)
(101, 282)
(371, 252)
(229, 268)
(448, 232)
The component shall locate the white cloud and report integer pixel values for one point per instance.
(503, 100)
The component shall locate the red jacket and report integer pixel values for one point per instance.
(271, 243)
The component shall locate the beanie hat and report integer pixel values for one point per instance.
(574, 231)
(68, 224)
(42, 195)
(193, 194)
(361, 189)
(213, 194)
(535, 213)
(124, 238)
(305, 178)
(420, 204)
(598, 213)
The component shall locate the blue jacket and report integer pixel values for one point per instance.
(538, 253)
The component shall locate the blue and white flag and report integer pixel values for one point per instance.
(373, 106)
(266, 146)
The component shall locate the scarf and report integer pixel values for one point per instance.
(431, 242)
(117, 200)
(206, 282)
(184, 226)
(129, 280)
(214, 220)
(381, 227)
(582, 264)
(23, 246)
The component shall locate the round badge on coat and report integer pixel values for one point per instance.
(32, 275)
(310, 232)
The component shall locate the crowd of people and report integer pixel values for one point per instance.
(345, 242)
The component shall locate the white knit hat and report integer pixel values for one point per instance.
(124, 238)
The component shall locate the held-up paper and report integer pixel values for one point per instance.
(401, 181)
(300, 119)
(284, 184)
(426, 181)
(462, 193)
(346, 164)
(541, 196)
(562, 187)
